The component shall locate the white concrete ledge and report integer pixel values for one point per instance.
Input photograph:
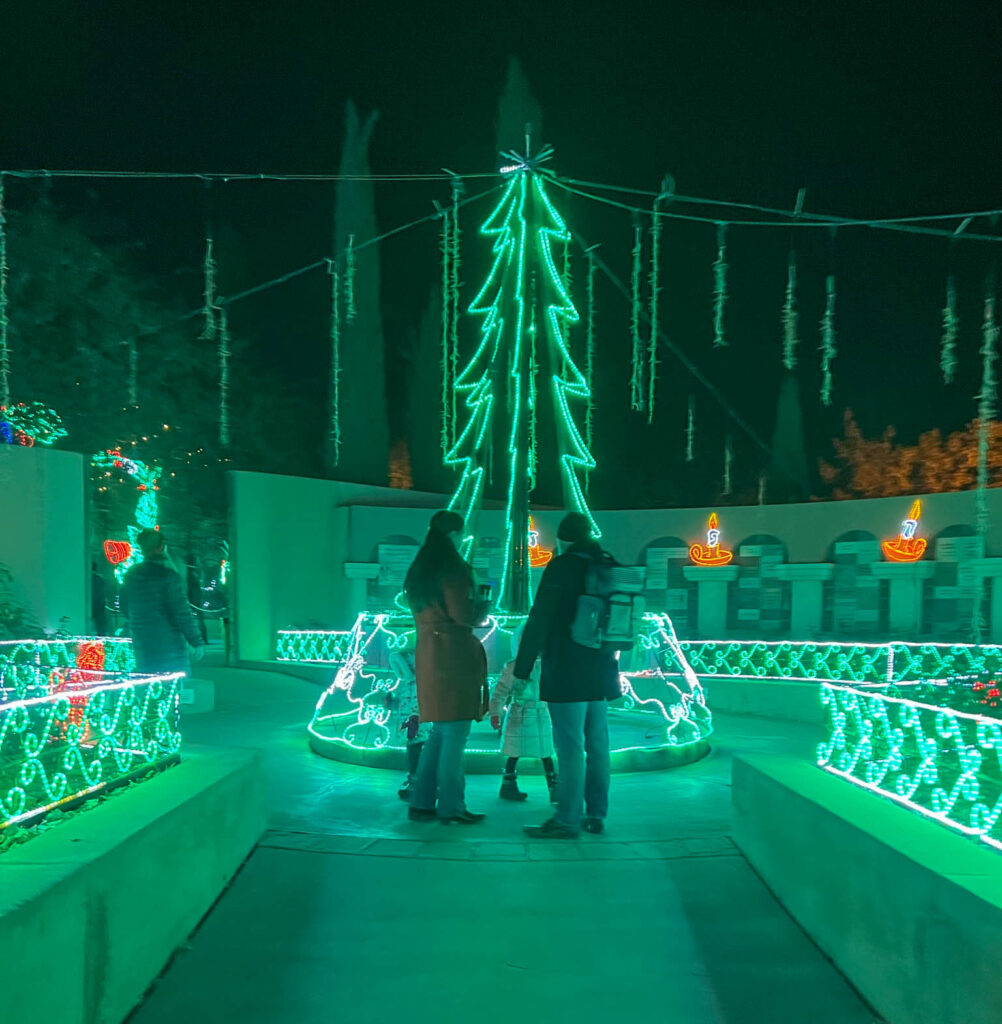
(91, 910)
(905, 908)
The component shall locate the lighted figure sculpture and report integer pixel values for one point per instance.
(30, 423)
(147, 485)
(906, 547)
(525, 312)
(538, 556)
(710, 553)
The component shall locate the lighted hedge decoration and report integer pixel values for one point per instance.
(942, 763)
(79, 733)
(21, 660)
(312, 645)
(834, 662)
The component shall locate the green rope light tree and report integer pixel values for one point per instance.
(525, 308)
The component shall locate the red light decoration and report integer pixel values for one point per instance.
(710, 553)
(538, 556)
(117, 551)
(906, 547)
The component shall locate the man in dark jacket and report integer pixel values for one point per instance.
(156, 611)
(576, 682)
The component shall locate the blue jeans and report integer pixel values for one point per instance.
(440, 770)
(580, 730)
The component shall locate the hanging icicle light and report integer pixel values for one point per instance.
(4, 350)
(654, 280)
(951, 324)
(334, 385)
(720, 287)
(224, 378)
(828, 341)
(637, 378)
(690, 430)
(790, 314)
(590, 353)
(447, 426)
(210, 324)
(728, 457)
(133, 383)
(986, 414)
(454, 263)
(350, 311)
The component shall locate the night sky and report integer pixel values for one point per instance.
(876, 109)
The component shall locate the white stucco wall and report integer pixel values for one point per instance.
(292, 537)
(42, 532)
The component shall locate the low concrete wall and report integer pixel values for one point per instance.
(764, 698)
(91, 910)
(905, 908)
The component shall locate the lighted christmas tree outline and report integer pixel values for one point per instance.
(357, 711)
(524, 225)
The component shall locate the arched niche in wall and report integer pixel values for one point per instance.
(667, 588)
(855, 603)
(759, 603)
(956, 543)
(954, 590)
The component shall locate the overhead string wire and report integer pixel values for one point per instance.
(578, 186)
(783, 218)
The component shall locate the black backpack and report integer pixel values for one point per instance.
(611, 607)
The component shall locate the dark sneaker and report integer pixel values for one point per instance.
(551, 829)
(593, 825)
(464, 818)
(421, 814)
(405, 791)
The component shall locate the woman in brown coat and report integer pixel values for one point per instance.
(451, 669)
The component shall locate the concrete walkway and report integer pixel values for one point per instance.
(346, 912)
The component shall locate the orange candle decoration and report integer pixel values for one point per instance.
(538, 556)
(906, 547)
(710, 553)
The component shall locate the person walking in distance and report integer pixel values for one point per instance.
(575, 681)
(450, 666)
(157, 613)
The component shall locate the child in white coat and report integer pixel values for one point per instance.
(528, 731)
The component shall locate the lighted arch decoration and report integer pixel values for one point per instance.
(663, 707)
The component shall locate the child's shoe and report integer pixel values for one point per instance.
(509, 788)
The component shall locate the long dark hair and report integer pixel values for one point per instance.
(437, 558)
